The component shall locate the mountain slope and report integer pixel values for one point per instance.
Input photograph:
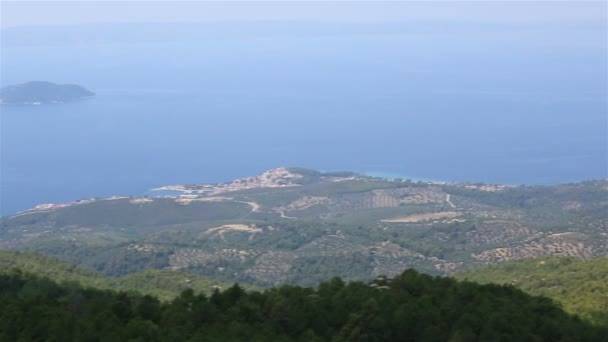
(164, 284)
(581, 286)
(302, 226)
(409, 307)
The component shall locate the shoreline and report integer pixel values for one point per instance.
(393, 176)
(208, 189)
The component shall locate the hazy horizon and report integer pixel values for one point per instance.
(35, 13)
(454, 91)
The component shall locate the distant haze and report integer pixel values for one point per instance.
(25, 13)
(195, 92)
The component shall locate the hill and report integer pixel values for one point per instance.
(581, 286)
(301, 227)
(409, 307)
(39, 92)
(164, 284)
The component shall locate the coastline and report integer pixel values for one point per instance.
(394, 175)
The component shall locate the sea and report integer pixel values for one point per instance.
(507, 105)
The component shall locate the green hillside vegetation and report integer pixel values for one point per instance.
(164, 284)
(581, 286)
(300, 227)
(409, 307)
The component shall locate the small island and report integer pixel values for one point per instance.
(39, 92)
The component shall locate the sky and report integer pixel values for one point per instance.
(27, 13)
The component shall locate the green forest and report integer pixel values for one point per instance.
(163, 284)
(580, 286)
(408, 307)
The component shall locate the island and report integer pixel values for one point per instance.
(40, 92)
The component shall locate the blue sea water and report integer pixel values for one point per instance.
(508, 106)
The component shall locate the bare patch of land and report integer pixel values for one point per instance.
(140, 200)
(251, 229)
(424, 217)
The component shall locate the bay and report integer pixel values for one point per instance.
(508, 110)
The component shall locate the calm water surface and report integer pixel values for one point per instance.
(490, 110)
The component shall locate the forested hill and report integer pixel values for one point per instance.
(581, 286)
(165, 284)
(410, 307)
(300, 227)
(39, 92)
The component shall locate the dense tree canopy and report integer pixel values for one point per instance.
(581, 286)
(164, 284)
(410, 307)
